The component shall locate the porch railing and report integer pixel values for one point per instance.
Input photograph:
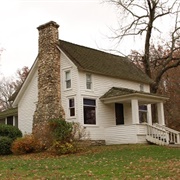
(174, 136)
(157, 135)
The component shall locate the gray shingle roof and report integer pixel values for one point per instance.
(103, 63)
(117, 92)
(9, 112)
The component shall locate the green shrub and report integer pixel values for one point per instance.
(5, 145)
(66, 136)
(61, 130)
(26, 144)
(60, 148)
(10, 131)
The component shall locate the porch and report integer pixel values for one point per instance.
(126, 134)
(135, 104)
(134, 124)
(141, 133)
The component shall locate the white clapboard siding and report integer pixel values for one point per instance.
(95, 132)
(27, 106)
(66, 65)
(141, 133)
(122, 134)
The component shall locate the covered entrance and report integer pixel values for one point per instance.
(134, 107)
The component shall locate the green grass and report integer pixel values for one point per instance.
(102, 162)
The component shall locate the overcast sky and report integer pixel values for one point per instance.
(84, 22)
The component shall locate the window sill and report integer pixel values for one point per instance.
(69, 89)
(90, 125)
(72, 117)
(89, 90)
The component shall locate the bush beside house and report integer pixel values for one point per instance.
(8, 134)
(64, 139)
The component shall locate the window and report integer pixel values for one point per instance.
(88, 81)
(10, 120)
(142, 113)
(68, 79)
(141, 87)
(89, 111)
(71, 107)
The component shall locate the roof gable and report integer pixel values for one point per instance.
(103, 63)
(116, 94)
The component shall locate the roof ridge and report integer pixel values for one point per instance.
(98, 50)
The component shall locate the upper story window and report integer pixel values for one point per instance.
(68, 79)
(142, 113)
(71, 107)
(88, 81)
(89, 106)
(141, 86)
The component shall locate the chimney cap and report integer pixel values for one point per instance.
(50, 23)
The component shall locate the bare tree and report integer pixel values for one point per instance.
(141, 19)
(9, 87)
(6, 91)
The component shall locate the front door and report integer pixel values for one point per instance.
(119, 110)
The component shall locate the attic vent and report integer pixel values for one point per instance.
(141, 87)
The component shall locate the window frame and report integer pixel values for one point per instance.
(89, 81)
(68, 83)
(91, 107)
(71, 107)
(143, 112)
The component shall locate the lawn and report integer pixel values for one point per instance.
(98, 162)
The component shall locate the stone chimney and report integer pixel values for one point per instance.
(49, 88)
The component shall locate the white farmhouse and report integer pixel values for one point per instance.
(105, 93)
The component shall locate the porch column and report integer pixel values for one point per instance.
(135, 111)
(160, 110)
(149, 114)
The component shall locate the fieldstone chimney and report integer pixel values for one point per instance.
(49, 89)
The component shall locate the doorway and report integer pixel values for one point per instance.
(119, 112)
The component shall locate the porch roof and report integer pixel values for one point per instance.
(119, 95)
(9, 112)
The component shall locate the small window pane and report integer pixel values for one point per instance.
(88, 81)
(89, 115)
(71, 102)
(68, 79)
(90, 102)
(10, 120)
(72, 111)
(68, 75)
(71, 107)
(142, 113)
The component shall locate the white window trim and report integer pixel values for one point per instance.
(144, 111)
(90, 82)
(68, 108)
(13, 120)
(89, 125)
(64, 79)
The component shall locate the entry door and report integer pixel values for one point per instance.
(119, 110)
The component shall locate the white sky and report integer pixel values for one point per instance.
(84, 22)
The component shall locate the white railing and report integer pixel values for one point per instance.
(157, 135)
(174, 136)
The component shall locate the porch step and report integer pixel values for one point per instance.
(157, 141)
(174, 145)
(162, 135)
